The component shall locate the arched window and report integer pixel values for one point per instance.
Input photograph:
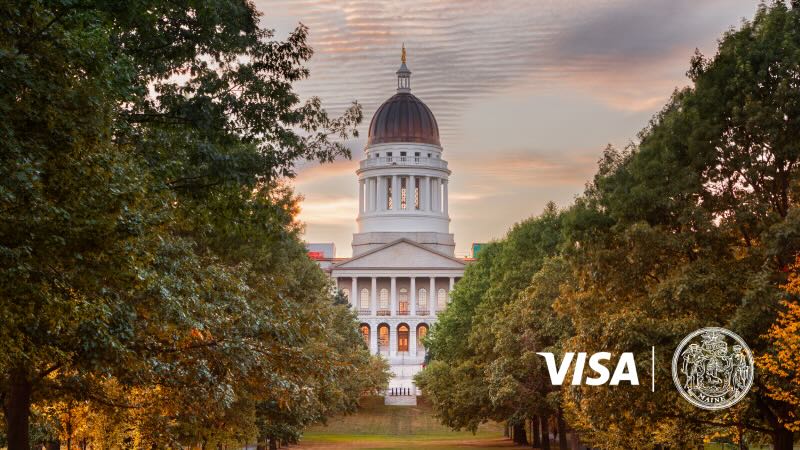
(383, 338)
(364, 300)
(441, 299)
(402, 338)
(422, 299)
(384, 304)
(364, 328)
(422, 331)
(346, 293)
(403, 300)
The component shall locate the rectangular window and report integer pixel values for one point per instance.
(403, 189)
(389, 194)
(416, 193)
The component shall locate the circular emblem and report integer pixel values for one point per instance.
(713, 368)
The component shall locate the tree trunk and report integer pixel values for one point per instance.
(536, 441)
(519, 433)
(562, 431)
(545, 432)
(273, 444)
(17, 409)
(782, 439)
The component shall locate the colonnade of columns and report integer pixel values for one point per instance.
(393, 307)
(423, 193)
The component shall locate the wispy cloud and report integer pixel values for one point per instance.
(328, 211)
(526, 93)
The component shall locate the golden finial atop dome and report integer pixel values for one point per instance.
(403, 54)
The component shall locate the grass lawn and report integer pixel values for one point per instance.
(398, 427)
(377, 426)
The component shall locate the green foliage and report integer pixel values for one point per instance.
(694, 226)
(149, 256)
(463, 345)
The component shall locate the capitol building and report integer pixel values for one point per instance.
(403, 265)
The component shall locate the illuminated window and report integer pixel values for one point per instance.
(365, 333)
(422, 331)
(402, 338)
(389, 194)
(403, 299)
(364, 300)
(416, 193)
(383, 337)
(384, 303)
(403, 189)
(441, 299)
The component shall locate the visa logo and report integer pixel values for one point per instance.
(625, 370)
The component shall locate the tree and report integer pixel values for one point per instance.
(518, 377)
(146, 242)
(692, 228)
(695, 225)
(462, 344)
(780, 364)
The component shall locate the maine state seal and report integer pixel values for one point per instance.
(713, 368)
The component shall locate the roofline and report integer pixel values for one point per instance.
(397, 241)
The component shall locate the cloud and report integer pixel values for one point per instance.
(587, 72)
(508, 170)
(328, 210)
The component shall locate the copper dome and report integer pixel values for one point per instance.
(403, 118)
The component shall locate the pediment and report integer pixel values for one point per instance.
(401, 254)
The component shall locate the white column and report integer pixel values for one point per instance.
(432, 297)
(373, 194)
(413, 296)
(435, 197)
(412, 340)
(424, 201)
(411, 188)
(373, 339)
(395, 193)
(354, 294)
(373, 297)
(452, 282)
(393, 298)
(444, 197)
(439, 195)
(381, 193)
(432, 193)
(392, 340)
(360, 196)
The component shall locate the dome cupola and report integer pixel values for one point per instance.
(403, 117)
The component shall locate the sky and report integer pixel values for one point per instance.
(527, 93)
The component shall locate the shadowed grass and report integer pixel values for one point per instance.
(398, 427)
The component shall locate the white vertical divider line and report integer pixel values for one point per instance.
(653, 370)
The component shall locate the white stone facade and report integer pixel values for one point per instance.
(403, 266)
